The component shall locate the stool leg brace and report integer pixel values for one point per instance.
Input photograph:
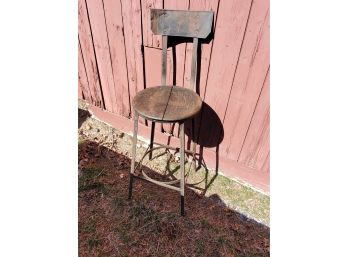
(182, 163)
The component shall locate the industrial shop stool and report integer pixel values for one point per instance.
(171, 104)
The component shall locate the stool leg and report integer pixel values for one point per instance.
(151, 138)
(134, 148)
(193, 144)
(182, 169)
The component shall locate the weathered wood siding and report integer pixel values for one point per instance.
(119, 56)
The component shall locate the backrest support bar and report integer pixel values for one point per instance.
(194, 64)
(164, 60)
(194, 24)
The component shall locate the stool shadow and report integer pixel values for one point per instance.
(208, 133)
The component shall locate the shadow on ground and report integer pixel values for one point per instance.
(83, 115)
(150, 224)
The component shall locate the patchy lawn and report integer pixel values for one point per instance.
(150, 224)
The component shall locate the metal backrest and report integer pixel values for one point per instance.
(181, 23)
(194, 24)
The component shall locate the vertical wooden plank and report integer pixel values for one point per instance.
(250, 76)
(176, 52)
(80, 96)
(201, 5)
(266, 165)
(83, 82)
(228, 37)
(255, 149)
(204, 57)
(153, 61)
(166, 127)
(87, 49)
(179, 48)
(230, 27)
(187, 65)
(102, 51)
(114, 26)
(131, 13)
(79, 86)
(152, 58)
(149, 39)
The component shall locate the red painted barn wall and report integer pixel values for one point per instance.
(119, 56)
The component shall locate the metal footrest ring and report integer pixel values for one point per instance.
(167, 184)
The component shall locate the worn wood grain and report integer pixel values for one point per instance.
(175, 57)
(266, 165)
(204, 53)
(152, 102)
(167, 103)
(79, 93)
(131, 13)
(205, 47)
(114, 25)
(183, 104)
(230, 28)
(177, 54)
(83, 82)
(149, 39)
(87, 49)
(79, 87)
(255, 149)
(228, 38)
(101, 46)
(152, 59)
(167, 127)
(250, 76)
(170, 66)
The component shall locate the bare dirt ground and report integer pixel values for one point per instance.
(218, 218)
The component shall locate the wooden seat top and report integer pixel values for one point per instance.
(167, 103)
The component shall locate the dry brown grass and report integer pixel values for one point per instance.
(150, 224)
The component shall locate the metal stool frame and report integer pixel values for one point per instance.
(194, 24)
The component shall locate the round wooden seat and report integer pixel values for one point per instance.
(167, 103)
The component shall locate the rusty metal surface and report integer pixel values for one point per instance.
(164, 60)
(182, 168)
(193, 79)
(171, 103)
(152, 138)
(134, 149)
(167, 103)
(181, 23)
